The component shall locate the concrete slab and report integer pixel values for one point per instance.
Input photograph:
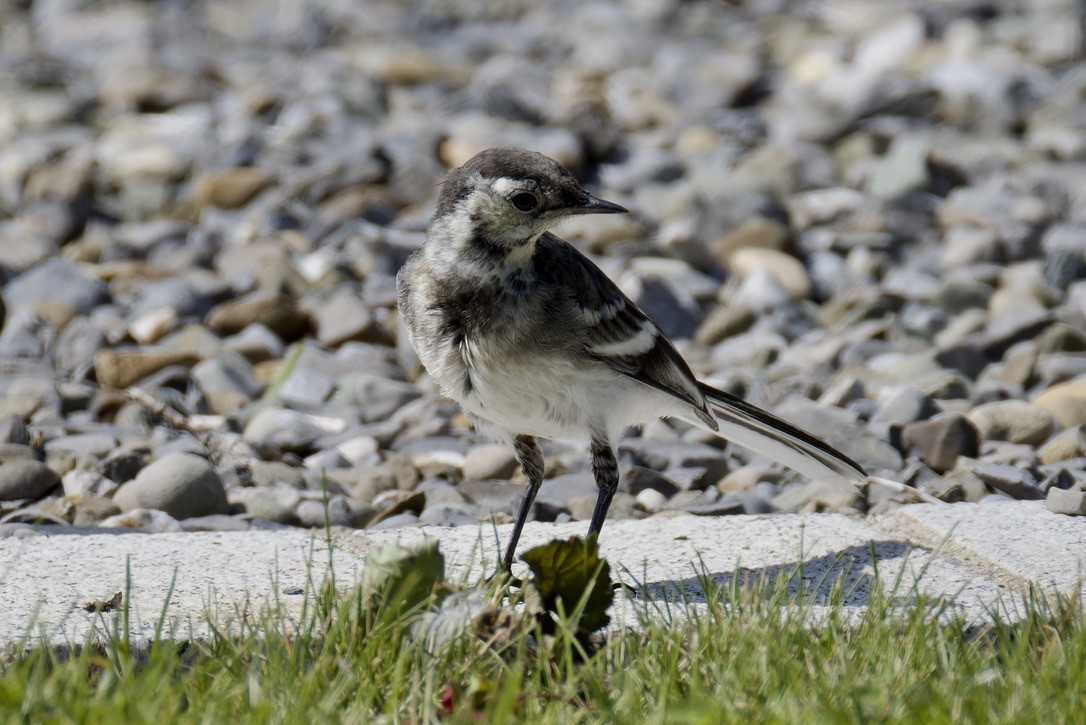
(1015, 542)
(46, 580)
(980, 555)
(666, 558)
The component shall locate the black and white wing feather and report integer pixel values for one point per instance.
(616, 332)
(613, 329)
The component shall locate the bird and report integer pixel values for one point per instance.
(534, 341)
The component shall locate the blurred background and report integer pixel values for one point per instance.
(868, 216)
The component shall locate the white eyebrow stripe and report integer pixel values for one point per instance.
(506, 185)
(636, 344)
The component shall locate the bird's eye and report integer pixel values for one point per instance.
(524, 201)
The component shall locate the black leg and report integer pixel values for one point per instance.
(605, 469)
(531, 462)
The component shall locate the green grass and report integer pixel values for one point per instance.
(751, 654)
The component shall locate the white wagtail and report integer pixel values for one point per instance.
(533, 340)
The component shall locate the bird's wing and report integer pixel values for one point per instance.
(616, 332)
(613, 329)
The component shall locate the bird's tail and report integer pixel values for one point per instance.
(765, 433)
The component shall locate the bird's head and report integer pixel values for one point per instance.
(506, 198)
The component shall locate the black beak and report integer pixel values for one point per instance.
(597, 206)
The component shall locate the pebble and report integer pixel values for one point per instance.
(451, 514)
(82, 484)
(121, 368)
(338, 511)
(1065, 401)
(1064, 446)
(56, 289)
(941, 440)
(489, 462)
(268, 502)
(1071, 503)
(1014, 481)
(785, 270)
(279, 430)
(13, 430)
(179, 484)
(151, 521)
(22, 479)
(1013, 420)
(891, 232)
(227, 382)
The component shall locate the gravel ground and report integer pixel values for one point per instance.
(868, 217)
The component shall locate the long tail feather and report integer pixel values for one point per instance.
(765, 433)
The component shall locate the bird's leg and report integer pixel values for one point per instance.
(605, 469)
(531, 462)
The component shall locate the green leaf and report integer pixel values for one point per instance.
(399, 577)
(572, 571)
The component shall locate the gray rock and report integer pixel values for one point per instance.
(151, 521)
(1071, 503)
(14, 452)
(450, 514)
(903, 168)
(726, 506)
(623, 506)
(227, 382)
(256, 343)
(92, 510)
(122, 465)
(493, 496)
(275, 473)
(81, 445)
(815, 496)
(667, 457)
(276, 503)
(19, 531)
(339, 511)
(1064, 238)
(305, 388)
(488, 462)
(393, 503)
(13, 430)
(272, 310)
(636, 479)
(1064, 446)
(941, 440)
(1062, 268)
(398, 521)
(1016, 482)
(908, 406)
(26, 479)
(120, 368)
(278, 430)
(651, 500)
(1061, 478)
(80, 484)
(1013, 420)
(54, 287)
(558, 491)
(377, 396)
(342, 317)
(179, 484)
(215, 522)
(747, 478)
(438, 491)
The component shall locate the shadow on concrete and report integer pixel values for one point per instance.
(812, 581)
